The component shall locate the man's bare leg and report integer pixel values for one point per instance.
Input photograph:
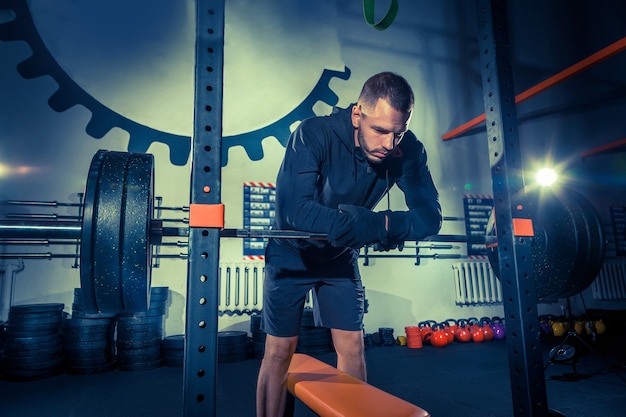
(350, 352)
(271, 384)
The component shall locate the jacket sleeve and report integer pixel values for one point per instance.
(422, 198)
(297, 184)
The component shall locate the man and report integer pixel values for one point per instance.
(335, 170)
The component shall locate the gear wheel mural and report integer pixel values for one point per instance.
(103, 119)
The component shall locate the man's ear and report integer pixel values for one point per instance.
(356, 116)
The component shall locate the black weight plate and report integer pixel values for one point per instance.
(108, 229)
(80, 314)
(151, 312)
(159, 290)
(255, 323)
(555, 233)
(137, 344)
(147, 350)
(596, 243)
(259, 336)
(307, 319)
(76, 339)
(137, 213)
(137, 321)
(77, 322)
(32, 361)
(46, 364)
(31, 333)
(130, 331)
(176, 341)
(139, 335)
(21, 375)
(90, 345)
(318, 331)
(141, 366)
(231, 337)
(233, 348)
(173, 362)
(235, 357)
(25, 320)
(314, 350)
(32, 342)
(174, 353)
(88, 233)
(88, 361)
(87, 353)
(33, 352)
(34, 327)
(90, 369)
(37, 308)
(564, 243)
(562, 353)
(580, 236)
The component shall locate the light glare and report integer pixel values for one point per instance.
(546, 176)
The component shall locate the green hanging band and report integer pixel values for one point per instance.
(385, 22)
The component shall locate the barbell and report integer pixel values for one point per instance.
(116, 231)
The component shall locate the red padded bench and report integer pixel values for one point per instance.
(332, 393)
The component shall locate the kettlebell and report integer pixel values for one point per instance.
(476, 330)
(462, 333)
(499, 329)
(558, 329)
(579, 328)
(439, 336)
(449, 329)
(545, 326)
(600, 326)
(426, 331)
(486, 327)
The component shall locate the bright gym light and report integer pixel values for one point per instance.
(546, 176)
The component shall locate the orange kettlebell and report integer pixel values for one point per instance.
(476, 330)
(487, 329)
(462, 333)
(439, 336)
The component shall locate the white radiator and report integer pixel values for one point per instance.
(610, 284)
(475, 283)
(241, 288)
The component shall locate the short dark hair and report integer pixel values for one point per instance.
(389, 86)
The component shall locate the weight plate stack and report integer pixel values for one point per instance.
(78, 308)
(386, 336)
(312, 340)
(140, 335)
(258, 337)
(232, 346)
(33, 348)
(174, 351)
(116, 250)
(88, 345)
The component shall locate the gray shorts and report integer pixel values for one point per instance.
(338, 294)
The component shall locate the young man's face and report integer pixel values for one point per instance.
(379, 130)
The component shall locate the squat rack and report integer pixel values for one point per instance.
(515, 224)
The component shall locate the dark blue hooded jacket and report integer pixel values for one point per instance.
(322, 168)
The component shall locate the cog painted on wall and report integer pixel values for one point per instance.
(103, 119)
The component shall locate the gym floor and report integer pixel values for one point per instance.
(468, 380)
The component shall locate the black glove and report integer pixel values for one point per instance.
(363, 227)
(395, 244)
